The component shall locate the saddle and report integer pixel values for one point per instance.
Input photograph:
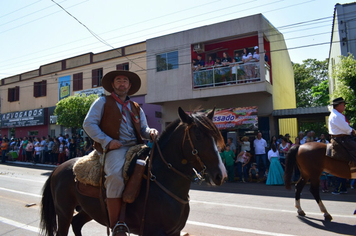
(87, 169)
(338, 152)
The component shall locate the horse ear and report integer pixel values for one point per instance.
(184, 117)
(210, 115)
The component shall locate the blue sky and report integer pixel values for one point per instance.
(37, 32)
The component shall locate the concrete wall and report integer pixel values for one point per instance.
(343, 37)
(173, 88)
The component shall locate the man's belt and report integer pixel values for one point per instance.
(339, 135)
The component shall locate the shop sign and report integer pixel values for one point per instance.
(23, 118)
(99, 91)
(236, 118)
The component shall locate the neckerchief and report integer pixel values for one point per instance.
(346, 119)
(124, 106)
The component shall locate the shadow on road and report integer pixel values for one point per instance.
(330, 226)
(261, 189)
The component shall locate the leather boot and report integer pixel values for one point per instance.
(132, 188)
(114, 208)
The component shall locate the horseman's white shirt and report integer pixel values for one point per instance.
(338, 124)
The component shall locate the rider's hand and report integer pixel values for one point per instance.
(114, 144)
(153, 134)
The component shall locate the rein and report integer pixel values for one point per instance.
(152, 177)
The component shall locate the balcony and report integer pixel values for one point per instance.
(234, 73)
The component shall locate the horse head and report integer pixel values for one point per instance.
(199, 145)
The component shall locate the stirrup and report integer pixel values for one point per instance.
(120, 227)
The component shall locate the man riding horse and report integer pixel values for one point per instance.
(340, 130)
(116, 123)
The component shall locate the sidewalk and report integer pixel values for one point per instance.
(29, 164)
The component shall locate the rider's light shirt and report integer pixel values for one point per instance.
(338, 124)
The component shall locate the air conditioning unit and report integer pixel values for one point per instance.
(199, 47)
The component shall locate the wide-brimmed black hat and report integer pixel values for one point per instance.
(337, 101)
(133, 77)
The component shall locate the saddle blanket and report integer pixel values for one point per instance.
(87, 169)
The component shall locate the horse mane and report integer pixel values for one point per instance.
(201, 121)
(166, 134)
(208, 127)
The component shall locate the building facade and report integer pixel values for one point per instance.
(343, 37)
(28, 100)
(239, 90)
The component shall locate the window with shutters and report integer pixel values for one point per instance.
(124, 66)
(40, 89)
(78, 82)
(13, 94)
(97, 74)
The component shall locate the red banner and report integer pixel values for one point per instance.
(236, 118)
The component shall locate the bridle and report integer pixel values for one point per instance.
(200, 174)
(152, 177)
(195, 152)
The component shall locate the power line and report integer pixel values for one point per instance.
(286, 7)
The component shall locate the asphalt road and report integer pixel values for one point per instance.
(231, 209)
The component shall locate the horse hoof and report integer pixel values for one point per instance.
(301, 213)
(328, 217)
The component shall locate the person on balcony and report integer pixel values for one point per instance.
(200, 61)
(210, 62)
(218, 61)
(256, 54)
(226, 60)
(237, 57)
(195, 65)
(247, 57)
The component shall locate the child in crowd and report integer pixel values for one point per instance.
(37, 152)
(324, 182)
(67, 152)
(253, 172)
(228, 160)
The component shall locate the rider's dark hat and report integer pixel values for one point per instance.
(133, 77)
(337, 101)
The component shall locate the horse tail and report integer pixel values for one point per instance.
(48, 214)
(291, 163)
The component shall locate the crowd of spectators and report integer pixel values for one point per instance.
(45, 150)
(238, 67)
(255, 159)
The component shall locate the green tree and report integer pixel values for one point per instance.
(309, 83)
(344, 74)
(320, 93)
(72, 110)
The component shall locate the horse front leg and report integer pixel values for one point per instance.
(314, 189)
(298, 189)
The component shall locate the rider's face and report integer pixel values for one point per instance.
(341, 107)
(121, 85)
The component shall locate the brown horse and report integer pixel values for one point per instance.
(188, 143)
(312, 161)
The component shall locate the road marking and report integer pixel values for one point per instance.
(24, 193)
(19, 225)
(16, 178)
(252, 231)
(265, 209)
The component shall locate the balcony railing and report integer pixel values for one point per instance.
(234, 73)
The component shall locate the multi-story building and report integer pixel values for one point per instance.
(246, 92)
(343, 37)
(28, 100)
